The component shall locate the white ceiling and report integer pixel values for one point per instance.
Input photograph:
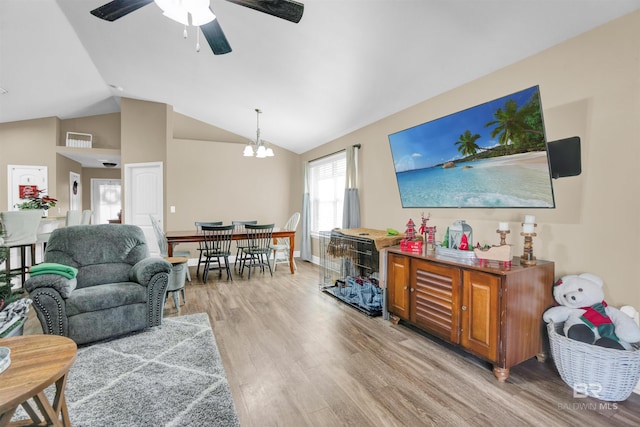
(348, 63)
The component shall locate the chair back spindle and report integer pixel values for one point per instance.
(217, 249)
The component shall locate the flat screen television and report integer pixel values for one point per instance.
(493, 155)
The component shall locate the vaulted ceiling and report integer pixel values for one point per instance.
(348, 63)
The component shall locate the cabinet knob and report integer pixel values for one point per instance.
(411, 290)
(406, 287)
(464, 307)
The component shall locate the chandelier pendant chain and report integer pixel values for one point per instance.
(258, 127)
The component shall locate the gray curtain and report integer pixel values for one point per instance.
(351, 208)
(305, 231)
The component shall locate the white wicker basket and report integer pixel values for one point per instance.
(603, 373)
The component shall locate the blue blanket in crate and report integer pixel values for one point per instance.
(362, 292)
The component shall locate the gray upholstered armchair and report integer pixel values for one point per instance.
(118, 288)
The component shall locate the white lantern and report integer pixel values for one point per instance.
(456, 231)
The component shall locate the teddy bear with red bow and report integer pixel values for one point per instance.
(586, 315)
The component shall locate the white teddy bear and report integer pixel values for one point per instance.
(587, 317)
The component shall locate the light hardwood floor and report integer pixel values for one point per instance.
(295, 356)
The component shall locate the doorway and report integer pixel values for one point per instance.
(105, 199)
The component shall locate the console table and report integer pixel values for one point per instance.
(491, 311)
(37, 361)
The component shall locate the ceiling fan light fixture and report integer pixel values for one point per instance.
(201, 16)
(179, 11)
(173, 9)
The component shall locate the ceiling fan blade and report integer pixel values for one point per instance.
(118, 8)
(285, 9)
(215, 37)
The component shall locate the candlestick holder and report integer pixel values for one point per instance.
(430, 238)
(527, 258)
(503, 236)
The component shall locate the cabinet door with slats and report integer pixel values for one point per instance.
(435, 299)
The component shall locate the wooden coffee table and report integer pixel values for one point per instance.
(37, 361)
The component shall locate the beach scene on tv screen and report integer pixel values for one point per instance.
(492, 155)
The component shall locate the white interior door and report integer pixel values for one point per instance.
(20, 176)
(143, 188)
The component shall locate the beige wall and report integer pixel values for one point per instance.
(212, 181)
(63, 167)
(145, 131)
(104, 128)
(590, 87)
(205, 165)
(88, 174)
(29, 142)
(188, 128)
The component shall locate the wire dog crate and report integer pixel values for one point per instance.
(349, 270)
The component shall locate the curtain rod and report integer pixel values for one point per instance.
(358, 146)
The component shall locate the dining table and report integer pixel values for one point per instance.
(193, 236)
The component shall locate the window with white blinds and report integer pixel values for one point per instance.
(326, 191)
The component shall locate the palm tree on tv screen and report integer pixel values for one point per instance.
(467, 143)
(520, 126)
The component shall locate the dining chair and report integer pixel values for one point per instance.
(163, 245)
(73, 218)
(201, 246)
(281, 248)
(20, 230)
(256, 254)
(86, 217)
(217, 243)
(241, 243)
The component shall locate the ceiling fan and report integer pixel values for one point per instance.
(199, 13)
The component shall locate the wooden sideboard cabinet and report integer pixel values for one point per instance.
(493, 312)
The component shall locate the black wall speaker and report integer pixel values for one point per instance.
(564, 157)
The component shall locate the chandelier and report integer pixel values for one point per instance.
(257, 147)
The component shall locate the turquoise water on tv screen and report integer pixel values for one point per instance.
(520, 180)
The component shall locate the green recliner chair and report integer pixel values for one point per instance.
(118, 288)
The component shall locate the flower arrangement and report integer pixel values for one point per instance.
(35, 200)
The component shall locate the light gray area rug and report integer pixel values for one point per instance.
(168, 376)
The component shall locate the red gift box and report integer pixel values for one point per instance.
(414, 246)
